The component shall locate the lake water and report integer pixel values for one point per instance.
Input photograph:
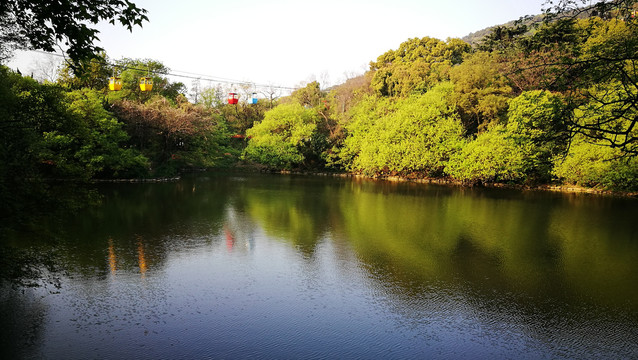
(270, 266)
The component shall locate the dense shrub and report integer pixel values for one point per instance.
(283, 138)
(416, 134)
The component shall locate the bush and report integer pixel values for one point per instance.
(594, 165)
(284, 138)
(417, 134)
(492, 157)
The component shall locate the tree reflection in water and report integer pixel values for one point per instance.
(419, 260)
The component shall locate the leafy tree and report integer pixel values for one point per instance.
(481, 92)
(90, 73)
(241, 116)
(416, 65)
(604, 9)
(283, 138)
(328, 129)
(173, 135)
(536, 124)
(609, 86)
(24, 104)
(521, 151)
(309, 96)
(416, 134)
(345, 96)
(131, 70)
(43, 24)
(49, 133)
(590, 47)
(502, 38)
(100, 150)
(492, 157)
(594, 165)
(212, 97)
(608, 118)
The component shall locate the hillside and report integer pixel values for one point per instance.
(529, 21)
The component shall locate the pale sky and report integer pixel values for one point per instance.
(289, 42)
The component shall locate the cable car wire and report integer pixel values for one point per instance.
(192, 76)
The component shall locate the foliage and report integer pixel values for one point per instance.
(481, 92)
(343, 97)
(417, 134)
(240, 117)
(575, 55)
(536, 125)
(51, 133)
(87, 73)
(173, 135)
(492, 157)
(416, 65)
(22, 105)
(100, 139)
(212, 97)
(608, 117)
(522, 150)
(593, 165)
(282, 140)
(131, 70)
(329, 131)
(506, 110)
(42, 24)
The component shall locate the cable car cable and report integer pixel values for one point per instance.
(170, 73)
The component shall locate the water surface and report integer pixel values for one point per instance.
(259, 266)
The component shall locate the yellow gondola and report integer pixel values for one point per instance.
(146, 83)
(115, 83)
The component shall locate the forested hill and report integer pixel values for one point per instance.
(529, 22)
(475, 37)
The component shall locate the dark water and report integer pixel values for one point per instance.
(256, 266)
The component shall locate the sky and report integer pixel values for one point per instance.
(289, 42)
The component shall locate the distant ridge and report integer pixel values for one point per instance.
(475, 37)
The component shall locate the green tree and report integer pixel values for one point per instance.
(100, 140)
(594, 165)
(416, 65)
(590, 47)
(502, 38)
(173, 135)
(492, 157)
(536, 123)
(609, 89)
(131, 70)
(212, 97)
(521, 151)
(92, 73)
(43, 24)
(284, 138)
(416, 134)
(481, 92)
(240, 117)
(51, 133)
(24, 104)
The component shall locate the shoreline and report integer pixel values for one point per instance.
(567, 189)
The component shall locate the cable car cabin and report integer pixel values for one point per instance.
(115, 84)
(146, 83)
(233, 98)
(254, 100)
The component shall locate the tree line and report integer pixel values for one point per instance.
(548, 102)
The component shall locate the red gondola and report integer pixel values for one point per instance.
(233, 98)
